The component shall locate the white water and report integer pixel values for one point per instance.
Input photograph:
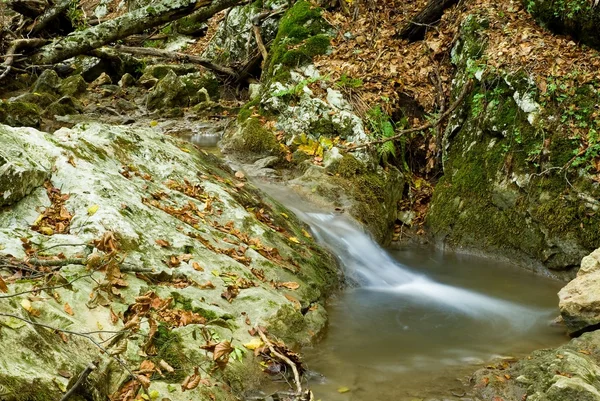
(375, 270)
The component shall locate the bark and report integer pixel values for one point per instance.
(145, 51)
(203, 14)
(6, 67)
(415, 29)
(28, 8)
(137, 21)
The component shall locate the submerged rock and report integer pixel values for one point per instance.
(216, 249)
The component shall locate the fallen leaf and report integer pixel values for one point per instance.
(294, 240)
(197, 267)
(68, 309)
(162, 243)
(292, 285)
(343, 390)
(254, 344)
(92, 210)
(240, 175)
(3, 286)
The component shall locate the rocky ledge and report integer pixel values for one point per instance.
(152, 260)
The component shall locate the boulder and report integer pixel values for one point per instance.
(42, 99)
(19, 114)
(73, 86)
(127, 80)
(170, 92)
(198, 243)
(47, 82)
(579, 300)
(64, 106)
(21, 169)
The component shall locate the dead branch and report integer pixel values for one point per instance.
(466, 89)
(153, 15)
(144, 51)
(284, 358)
(49, 15)
(80, 380)
(12, 52)
(256, 22)
(16, 294)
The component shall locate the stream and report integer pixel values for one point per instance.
(416, 323)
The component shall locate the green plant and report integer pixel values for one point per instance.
(347, 82)
(381, 126)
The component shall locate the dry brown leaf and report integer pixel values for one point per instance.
(3, 286)
(68, 309)
(162, 243)
(197, 267)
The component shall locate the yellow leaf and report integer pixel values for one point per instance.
(38, 220)
(254, 344)
(343, 390)
(306, 234)
(153, 123)
(294, 239)
(46, 230)
(284, 215)
(185, 150)
(92, 210)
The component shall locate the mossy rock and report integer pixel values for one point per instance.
(43, 100)
(73, 86)
(19, 114)
(66, 105)
(251, 137)
(159, 71)
(303, 34)
(47, 82)
(195, 81)
(578, 18)
(169, 93)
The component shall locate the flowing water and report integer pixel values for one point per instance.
(416, 323)
(419, 320)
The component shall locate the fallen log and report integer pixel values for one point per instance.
(156, 14)
(203, 14)
(12, 52)
(49, 15)
(151, 52)
(415, 29)
(28, 8)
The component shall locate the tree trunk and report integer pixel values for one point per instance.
(415, 29)
(28, 8)
(159, 13)
(203, 14)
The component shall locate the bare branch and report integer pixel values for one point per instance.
(284, 358)
(466, 88)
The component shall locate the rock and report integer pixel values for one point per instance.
(194, 82)
(19, 114)
(93, 164)
(43, 100)
(148, 81)
(64, 106)
(125, 105)
(170, 92)
(21, 170)
(73, 86)
(103, 79)
(47, 82)
(590, 263)
(109, 90)
(251, 140)
(567, 373)
(127, 80)
(254, 90)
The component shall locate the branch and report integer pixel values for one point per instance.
(256, 22)
(86, 372)
(143, 51)
(284, 359)
(46, 288)
(466, 88)
(12, 52)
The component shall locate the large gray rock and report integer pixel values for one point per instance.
(21, 170)
(579, 300)
(144, 186)
(47, 82)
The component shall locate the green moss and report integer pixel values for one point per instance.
(302, 35)
(19, 114)
(258, 139)
(170, 349)
(248, 109)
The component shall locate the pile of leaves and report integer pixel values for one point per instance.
(55, 219)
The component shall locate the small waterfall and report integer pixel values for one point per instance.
(374, 269)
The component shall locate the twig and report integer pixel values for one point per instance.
(12, 51)
(463, 94)
(86, 372)
(284, 359)
(256, 22)
(46, 288)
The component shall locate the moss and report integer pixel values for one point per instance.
(19, 114)
(248, 109)
(302, 35)
(258, 139)
(170, 349)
